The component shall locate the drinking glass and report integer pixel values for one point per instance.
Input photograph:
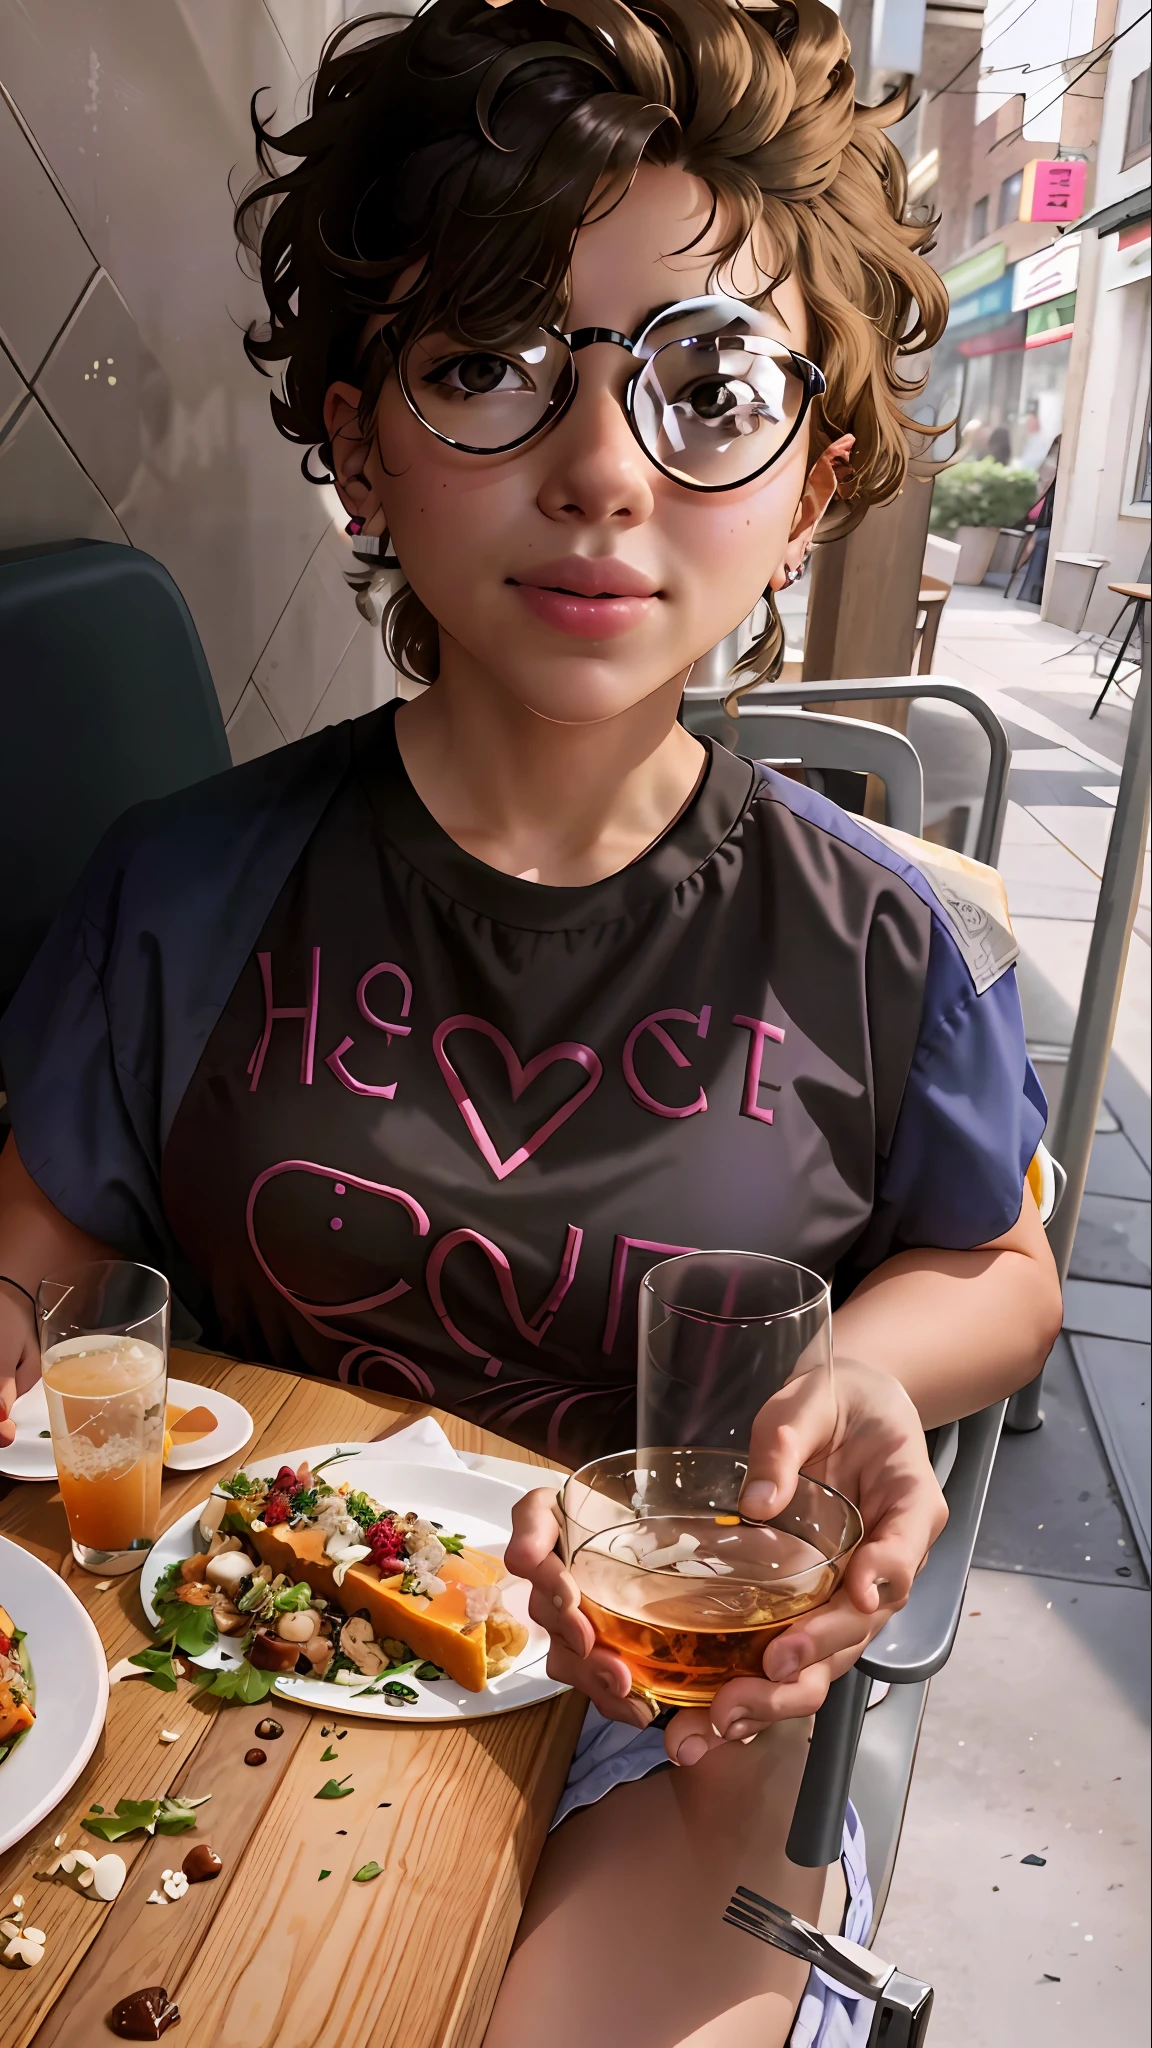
(682, 1587)
(104, 1359)
(720, 1333)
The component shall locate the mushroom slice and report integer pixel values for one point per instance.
(212, 1514)
(358, 1643)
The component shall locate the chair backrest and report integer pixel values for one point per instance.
(105, 699)
(819, 740)
(940, 558)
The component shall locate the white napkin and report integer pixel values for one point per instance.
(422, 1443)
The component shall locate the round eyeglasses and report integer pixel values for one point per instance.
(715, 398)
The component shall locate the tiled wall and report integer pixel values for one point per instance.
(128, 411)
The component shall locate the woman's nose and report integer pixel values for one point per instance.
(596, 473)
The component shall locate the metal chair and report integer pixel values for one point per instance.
(105, 699)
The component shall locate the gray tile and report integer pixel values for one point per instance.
(1052, 1506)
(13, 389)
(1117, 1379)
(252, 730)
(1052, 1072)
(1116, 1168)
(1113, 1241)
(1098, 1308)
(44, 493)
(106, 392)
(44, 260)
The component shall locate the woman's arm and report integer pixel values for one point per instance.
(958, 1329)
(35, 1239)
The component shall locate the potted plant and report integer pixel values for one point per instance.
(971, 501)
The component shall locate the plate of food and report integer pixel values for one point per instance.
(53, 1690)
(202, 1427)
(354, 1583)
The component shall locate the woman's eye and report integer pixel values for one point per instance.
(480, 375)
(714, 398)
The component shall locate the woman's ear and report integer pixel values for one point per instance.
(824, 479)
(350, 452)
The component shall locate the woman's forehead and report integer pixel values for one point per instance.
(638, 258)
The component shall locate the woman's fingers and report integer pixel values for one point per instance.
(882, 1570)
(534, 1532)
(690, 1735)
(554, 1605)
(789, 1430)
(604, 1679)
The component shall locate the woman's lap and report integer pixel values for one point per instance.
(622, 1941)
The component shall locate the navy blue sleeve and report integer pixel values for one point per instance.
(102, 1037)
(971, 1117)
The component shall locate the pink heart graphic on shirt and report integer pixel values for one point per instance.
(520, 1076)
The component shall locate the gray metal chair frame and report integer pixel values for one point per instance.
(869, 1755)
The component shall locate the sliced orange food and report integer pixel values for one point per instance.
(436, 1630)
(15, 1715)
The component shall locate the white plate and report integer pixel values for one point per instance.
(70, 1675)
(29, 1455)
(479, 1507)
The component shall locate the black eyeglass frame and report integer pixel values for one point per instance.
(811, 377)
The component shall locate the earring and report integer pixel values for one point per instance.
(792, 576)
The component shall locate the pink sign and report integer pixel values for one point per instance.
(1053, 190)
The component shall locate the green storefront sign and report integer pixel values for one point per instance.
(975, 271)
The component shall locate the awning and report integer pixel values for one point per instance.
(1124, 213)
(994, 341)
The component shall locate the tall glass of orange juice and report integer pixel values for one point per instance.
(104, 1358)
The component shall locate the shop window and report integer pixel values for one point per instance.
(1009, 207)
(1137, 142)
(980, 219)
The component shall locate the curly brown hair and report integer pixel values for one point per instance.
(476, 141)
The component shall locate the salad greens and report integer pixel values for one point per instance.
(143, 1816)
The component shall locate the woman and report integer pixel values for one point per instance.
(406, 1049)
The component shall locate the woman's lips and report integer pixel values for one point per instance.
(593, 600)
(588, 618)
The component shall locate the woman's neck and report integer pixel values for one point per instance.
(559, 804)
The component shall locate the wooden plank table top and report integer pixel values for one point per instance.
(269, 1952)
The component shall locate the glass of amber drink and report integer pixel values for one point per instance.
(104, 1359)
(678, 1583)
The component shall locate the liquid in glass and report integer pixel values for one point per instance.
(106, 1404)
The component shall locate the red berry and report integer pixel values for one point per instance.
(5, 1645)
(277, 1508)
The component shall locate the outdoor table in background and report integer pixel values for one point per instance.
(267, 1953)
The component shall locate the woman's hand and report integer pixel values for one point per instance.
(19, 1354)
(864, 1437)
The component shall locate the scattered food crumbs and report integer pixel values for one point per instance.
(727, 1521)
(995, 1887)
(1038, 1861)
(201, 1863)
(323, 1874)
(255, 1756)
(1049, 1978)
(342, 1734)
(104, 1586)
(368, 1871)
(325, 1731)
(108, 1877)
(175, 1883)
(341, 1831)
(60, 1840)
(329, 1755)
(335, 1788)
(385, 1802)
(23, 1946)
(974, 1613)
(144, 2015)
(170, 1735)
(156, 1899)
(269, 1731)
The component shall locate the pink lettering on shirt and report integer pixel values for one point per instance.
(623, 1246)
(760, 1031)
(309, 1011)
(312, 1311)
(335, 1060)
(655, 1024)
(532, 1328)
(362, 1357)
(520, 1077)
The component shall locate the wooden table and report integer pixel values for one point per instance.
(267, 1952)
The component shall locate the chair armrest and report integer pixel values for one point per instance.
(917, 1641)
(909, 1651)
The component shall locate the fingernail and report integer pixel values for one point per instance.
(781, 1662)
(691, 1749)
(758, 1499)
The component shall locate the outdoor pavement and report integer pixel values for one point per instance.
(1036, 1733)
(1035, 1739)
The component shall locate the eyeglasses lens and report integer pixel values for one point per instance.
(715, 409)
(486, 399)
